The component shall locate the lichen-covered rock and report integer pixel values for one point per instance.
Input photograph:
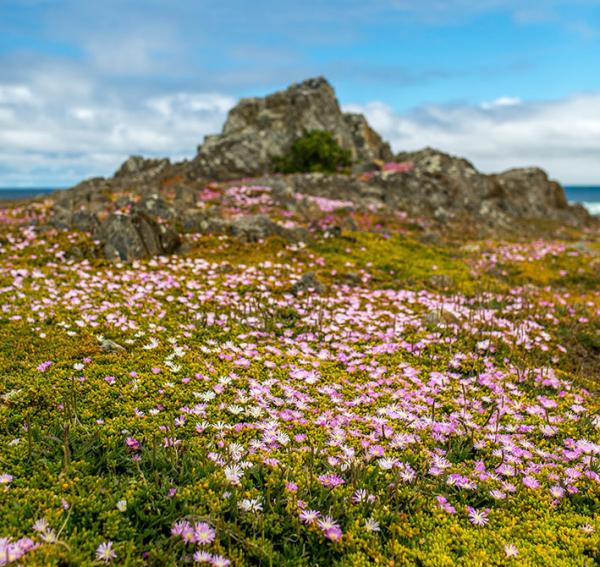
(448, 185)
(85, 221)
(260, 129)
(136, 235)
(155, 206)
(140, 166)
(427, 184)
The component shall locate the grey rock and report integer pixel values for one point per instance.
(85, 221)
(194, 222)
(136, 235)
(260, 129)
(140, 166)
(253, 228)
(60, 217)
(106, 345)
(448, 186)
(155, 206)
(122, 202)
(439, 191)
(436, 317)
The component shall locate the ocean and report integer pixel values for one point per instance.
(587, 195)
(11, 193)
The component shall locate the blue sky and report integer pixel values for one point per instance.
(505, 83)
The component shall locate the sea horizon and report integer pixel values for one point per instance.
(586, 195)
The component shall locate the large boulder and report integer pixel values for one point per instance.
(136, 235)
(260, 129)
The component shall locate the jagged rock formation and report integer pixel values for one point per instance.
(259, 129)
(452, 183)
(138, 166)
(138, 212)
(448, 188)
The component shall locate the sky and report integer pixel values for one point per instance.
(504, 83)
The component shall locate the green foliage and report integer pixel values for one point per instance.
(316, 151)
(63, 431)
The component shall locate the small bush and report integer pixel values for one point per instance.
(315, 151)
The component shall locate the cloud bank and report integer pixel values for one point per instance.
(62, 135)
(47, 140)
(562, 136)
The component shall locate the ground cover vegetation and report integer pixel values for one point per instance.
(366, 397)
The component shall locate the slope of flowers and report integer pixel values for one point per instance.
(425, 408)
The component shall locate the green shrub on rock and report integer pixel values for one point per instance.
(315, 151)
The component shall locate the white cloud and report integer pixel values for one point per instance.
(52, 132)
(67, 136)
(15, 94)
(562, 136)
(502, 101)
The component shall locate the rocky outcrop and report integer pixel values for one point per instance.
(449, 185)
(260, 129)
(134, 213)
(432, 184)
(136, 235)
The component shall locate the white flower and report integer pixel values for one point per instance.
(40, 525)
(105, 552)
(387, 463)
(250, 505)
(173, 367)
(236, 451)
(511, 550)
(152, 344)
(587, 528)
(233, 474)
(371, 525)
(49, 536)
(122, 505)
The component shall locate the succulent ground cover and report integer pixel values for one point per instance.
(411, 402)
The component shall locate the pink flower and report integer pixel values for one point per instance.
(133, 443)
(334, 533)
(445, 505)
(44, 366)
(331, 480)
(309, 516)
(331, 529)
(530, 482)
(203, 533)
(399, 167)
